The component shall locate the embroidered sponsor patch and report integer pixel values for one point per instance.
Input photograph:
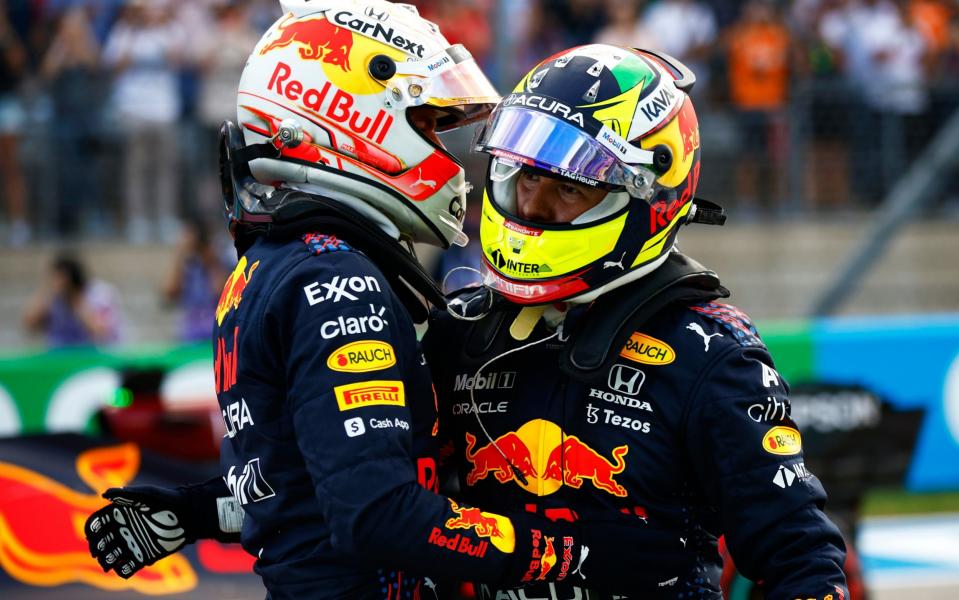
(733, 319)
(782, 440)
(320, 243)
(369, 393)
(362, 356)
(647, 350)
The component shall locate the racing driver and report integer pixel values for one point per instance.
(596, 371)
(330, 453)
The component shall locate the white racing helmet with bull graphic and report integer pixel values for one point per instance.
(335, 97)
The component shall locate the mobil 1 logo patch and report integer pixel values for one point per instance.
(497, 380)
(626, 380)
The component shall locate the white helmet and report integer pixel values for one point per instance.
(323, 106)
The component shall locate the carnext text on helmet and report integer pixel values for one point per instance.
(378, 31)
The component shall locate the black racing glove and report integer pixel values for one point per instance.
(143, 524)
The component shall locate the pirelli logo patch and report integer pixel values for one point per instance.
(369, 393)
(362, 357)
(647, 350)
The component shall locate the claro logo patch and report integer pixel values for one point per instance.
(782, 440)
(362, 357)
(369, 393)
(647, 350)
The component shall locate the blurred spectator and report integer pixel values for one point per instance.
(144, 50)
(948, 67)
(931, 18)
(558, 24)
(14, 20)
(463, 22)
(759, 65)
(194, 282)
(71, 310)
(70, 68)
(624, 26)
(220, 57)
(883, 57)
(685, 29)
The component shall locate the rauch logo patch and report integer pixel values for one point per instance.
(647, 350)
(782, 440)
(362, 356)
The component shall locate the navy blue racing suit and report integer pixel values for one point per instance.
(331, 446)
(687, 430)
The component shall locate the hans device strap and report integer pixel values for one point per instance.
(597, 333)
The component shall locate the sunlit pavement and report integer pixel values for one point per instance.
(911, 557)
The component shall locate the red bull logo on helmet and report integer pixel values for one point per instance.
(547, 458)
(318, 39)
(336, 106)
(52, 550)
(233, 289)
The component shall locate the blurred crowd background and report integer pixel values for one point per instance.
(809, 109)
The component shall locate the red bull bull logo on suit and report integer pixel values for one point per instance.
(498, 530)
(547, 458)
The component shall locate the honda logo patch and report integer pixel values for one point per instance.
(626, 380)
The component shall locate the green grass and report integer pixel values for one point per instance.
(893, 501)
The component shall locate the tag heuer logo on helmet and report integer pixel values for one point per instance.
(547, 105)
(515, 266)
(574, 176)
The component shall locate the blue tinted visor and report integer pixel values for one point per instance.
(541, 140)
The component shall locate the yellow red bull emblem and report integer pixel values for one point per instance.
(53, 551)
(317, 39)
(784, 441)
(233, 289)
(548, 559)
(370, 393)
(497, 528)
(362, 357)
(647, 350)
(547, 458)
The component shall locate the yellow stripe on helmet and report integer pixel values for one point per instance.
(545, 253)
(654, 245)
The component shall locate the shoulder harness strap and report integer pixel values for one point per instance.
(598, 332)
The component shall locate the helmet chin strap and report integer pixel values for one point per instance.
(526, 321)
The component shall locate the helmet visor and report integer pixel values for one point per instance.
(448, 79)
(546, 142)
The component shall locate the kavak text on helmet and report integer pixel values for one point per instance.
(608, 117)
